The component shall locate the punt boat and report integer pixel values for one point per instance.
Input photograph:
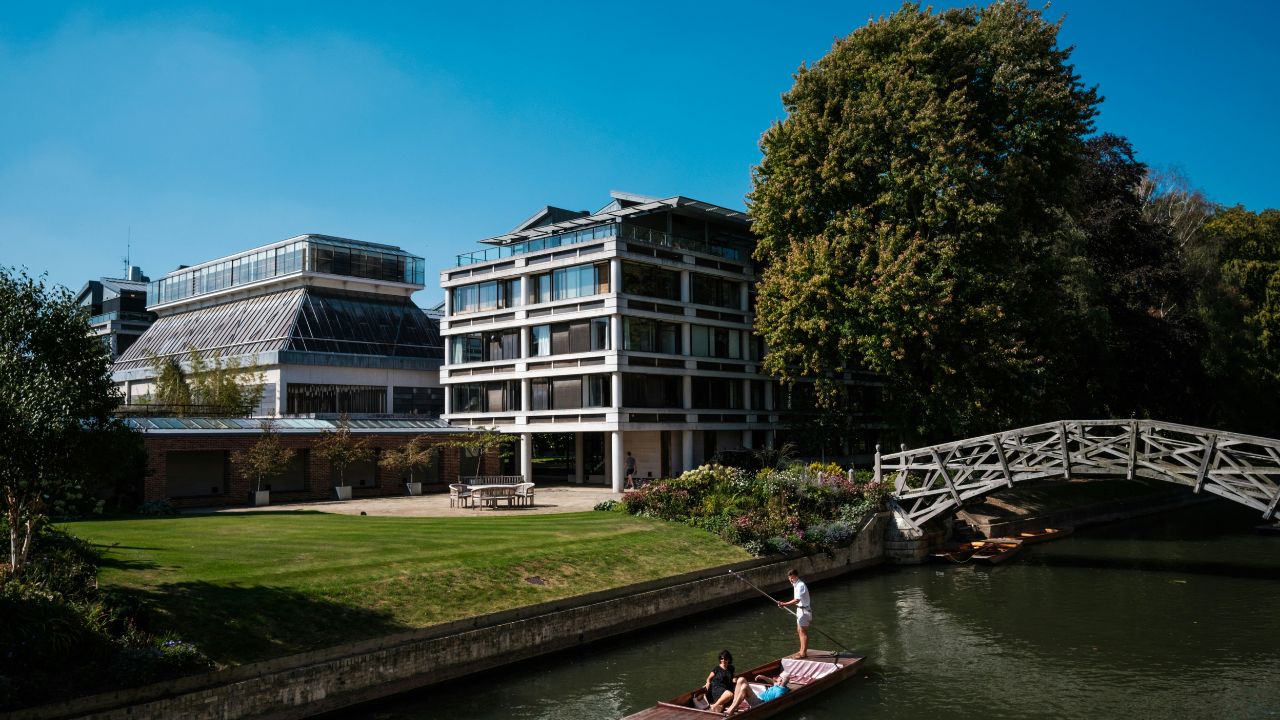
(958, 552)
(997, 550)
(821, 671)
(1271, 529)
(1035, 536)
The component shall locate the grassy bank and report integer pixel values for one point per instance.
(252, 586)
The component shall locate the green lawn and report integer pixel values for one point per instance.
(253, 586)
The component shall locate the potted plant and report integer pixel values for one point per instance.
(414, 454)
(341, 449)
(267, 458)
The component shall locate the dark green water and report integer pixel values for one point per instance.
(1171, 616)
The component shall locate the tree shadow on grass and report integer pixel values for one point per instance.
(234, 624)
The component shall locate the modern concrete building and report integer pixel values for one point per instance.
(117, 309)
(627, 330)
(331, 321)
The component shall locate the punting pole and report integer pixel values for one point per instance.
(788, 612)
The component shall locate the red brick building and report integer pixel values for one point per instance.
(191, 459)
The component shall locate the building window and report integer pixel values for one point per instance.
(652, 391)
(570, 337)
(710, 290)
(717, 394)
(568, 283)
(715, 342)
(492, 295)
(757, 395)
(569, 393)
(195, 472)
(499, 396)
(650, 281)
(645, 335)
(486, 346)
(304, 399)
(418, 401)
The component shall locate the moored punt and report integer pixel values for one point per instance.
(1272, 529)
(1045, 535)
(821, 671)
(958, 552)
(997, 550)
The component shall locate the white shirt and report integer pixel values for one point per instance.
(802, 594)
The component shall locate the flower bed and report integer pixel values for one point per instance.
(765, 512)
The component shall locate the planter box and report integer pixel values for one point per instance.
(412, 488)
(260, 498)
(342, 493)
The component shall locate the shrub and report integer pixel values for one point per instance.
(157, 507)
(163, 659)
(606, 505)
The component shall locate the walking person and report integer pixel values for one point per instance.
(803, 611)
(630, 472)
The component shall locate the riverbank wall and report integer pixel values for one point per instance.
(327, 680)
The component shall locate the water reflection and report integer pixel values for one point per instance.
(1136, 619)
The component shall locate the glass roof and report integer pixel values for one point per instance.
(286, 424)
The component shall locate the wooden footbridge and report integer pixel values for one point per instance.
(938, 479)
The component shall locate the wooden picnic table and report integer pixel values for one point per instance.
(491, 494)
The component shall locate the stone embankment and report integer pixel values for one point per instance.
(331, 679)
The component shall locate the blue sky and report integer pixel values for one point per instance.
(209, 129)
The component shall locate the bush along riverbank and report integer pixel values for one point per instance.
(765, 512)
(61, 637)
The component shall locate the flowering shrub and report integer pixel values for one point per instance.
(157, 507)
(769, 511)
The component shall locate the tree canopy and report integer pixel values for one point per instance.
(56, 401)
(905, 207)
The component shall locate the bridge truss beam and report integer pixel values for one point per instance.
(930, 481)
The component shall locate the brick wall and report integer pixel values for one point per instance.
(317, 472)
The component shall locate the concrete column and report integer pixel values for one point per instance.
(768, 395)
(281, 396)
(615, 275)
(526, 456)
(524, 395)
(578, 476)
(525, 348)
(686, 339)
(688, 392)
(617, 391)
(684, 286)
(615, 449)
(686, 440)
(615, 331)
(391, 398)
(768, 439)
(524, 290)
(746, 439)
(448, 302)
(448, 399)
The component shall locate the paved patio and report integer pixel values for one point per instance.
(548, 500)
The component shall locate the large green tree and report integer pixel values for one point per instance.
(902, 207)
(55, 406)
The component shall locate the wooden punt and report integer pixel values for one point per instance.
(1272, 529)
(1036, 536)
(997, 550)
(958, 552)
(808, 678)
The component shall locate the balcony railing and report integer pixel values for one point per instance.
(123, 315)
(621, 230)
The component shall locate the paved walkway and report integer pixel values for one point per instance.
(547, 501)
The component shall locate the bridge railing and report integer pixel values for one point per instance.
(932, 480)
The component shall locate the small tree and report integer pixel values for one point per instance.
(55, 396)
(417, 453)
(342, 449)
(267, 458)
(488, 439)
(227, 386)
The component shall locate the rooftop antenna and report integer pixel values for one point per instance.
(128, 252)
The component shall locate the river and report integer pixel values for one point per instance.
(1169, 616)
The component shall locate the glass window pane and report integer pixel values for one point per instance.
(698, 337)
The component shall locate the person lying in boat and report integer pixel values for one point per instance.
(719, 683)
(743, 691)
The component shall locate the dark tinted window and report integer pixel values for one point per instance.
(650, 281)
(651, 391)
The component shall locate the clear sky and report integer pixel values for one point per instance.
(213, 128)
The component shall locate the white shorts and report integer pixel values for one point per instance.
(803, 616)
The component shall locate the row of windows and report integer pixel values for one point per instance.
(568, 393)
(583, 280)
(639, 334)
(562, 284)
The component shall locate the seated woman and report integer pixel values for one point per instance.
(743, 691)
(719, 683)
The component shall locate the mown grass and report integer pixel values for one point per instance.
(253, 586)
